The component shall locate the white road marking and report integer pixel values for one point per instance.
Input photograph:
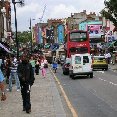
(109, 82)
(100, 71)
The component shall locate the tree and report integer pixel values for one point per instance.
(24, 36)
(110, 11)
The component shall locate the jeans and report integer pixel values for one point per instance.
(25, 91)
(14, 74)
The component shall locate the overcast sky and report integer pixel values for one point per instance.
(53, 9)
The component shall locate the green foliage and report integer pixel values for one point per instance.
(24, 36)
(110, 11)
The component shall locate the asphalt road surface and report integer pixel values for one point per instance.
(92, 97)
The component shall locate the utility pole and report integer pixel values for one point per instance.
(17, 41)
(21, 2)
(31, 35)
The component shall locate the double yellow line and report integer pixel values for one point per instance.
(65, 96)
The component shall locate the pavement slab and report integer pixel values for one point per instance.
(45, 100)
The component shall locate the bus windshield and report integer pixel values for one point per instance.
(78, 36)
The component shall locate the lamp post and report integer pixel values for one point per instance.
(21, 2)
(31, 35)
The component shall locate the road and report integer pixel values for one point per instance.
(95, 97)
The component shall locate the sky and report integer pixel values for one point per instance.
(51, 9)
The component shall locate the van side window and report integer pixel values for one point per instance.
(77, 60)
(85, 59)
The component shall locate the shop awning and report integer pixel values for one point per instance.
(2, 46)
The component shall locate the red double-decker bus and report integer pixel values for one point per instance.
(77, 42)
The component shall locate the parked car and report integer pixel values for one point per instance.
(99, 62)
(66, 66)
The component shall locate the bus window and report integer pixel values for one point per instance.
(79, 50)
(78, 36)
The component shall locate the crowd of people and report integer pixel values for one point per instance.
(21, 72)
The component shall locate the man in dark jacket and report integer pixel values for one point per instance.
(26, 78)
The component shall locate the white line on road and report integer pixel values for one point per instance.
(109, 82)
(100, 71)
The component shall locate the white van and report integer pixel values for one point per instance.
(81, 64)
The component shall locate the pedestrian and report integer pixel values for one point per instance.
(108, 57)
(26, 77)
(13, 74)
(7, 68)
(37, 67)
(113, 58)
(2, 87)
(44, 66)
(54, 64)
(32, 61)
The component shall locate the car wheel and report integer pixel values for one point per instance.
(91, 75)
(106, 69)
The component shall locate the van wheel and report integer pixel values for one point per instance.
(73, 77)
(70, 76)
(91, 75)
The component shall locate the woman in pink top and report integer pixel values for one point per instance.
(44, 65)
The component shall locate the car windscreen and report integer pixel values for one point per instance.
(99, 58)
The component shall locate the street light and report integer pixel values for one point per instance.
(30, 27)
(21, 3)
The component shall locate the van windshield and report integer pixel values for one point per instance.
(77, 60)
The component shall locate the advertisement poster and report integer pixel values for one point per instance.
(95, 31)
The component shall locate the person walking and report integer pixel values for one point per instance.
(54, 64)
(2, 87)
(44, 66)
(37, 67)
(32, 62)
(7, 68)
(113, 58)
(26, 77)
(13, 73)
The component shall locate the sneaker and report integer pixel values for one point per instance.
(18, 90)
(28, 111)
(24, 109)
(9, 90)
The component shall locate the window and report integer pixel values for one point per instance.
(77, 60)
(79, 50)
(78, 36)
(85, 59)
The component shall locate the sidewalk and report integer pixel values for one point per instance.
(113, 67)
(45, 99)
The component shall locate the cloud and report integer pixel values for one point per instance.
(54, 9)
(62, 11)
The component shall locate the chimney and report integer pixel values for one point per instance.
(90, 13)
(94, 13)
(84, 11)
